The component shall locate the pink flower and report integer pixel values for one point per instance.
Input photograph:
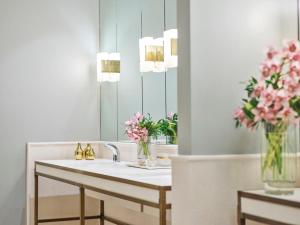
(267, 96)
(295, 57)
(239, 114)
(270, 52)
(285, 113)
(258, 88)
(269, 67)
(259, 114)
(134, 130)
(291, 85)
(274, 93)
(294, 68)
(279, 98)
(291, 46)
(139, 116)
(265, 70)
(280, 95)
(248, 123)
(170, 115)
(275, 66)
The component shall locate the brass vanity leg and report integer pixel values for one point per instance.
(162, 207)
(102, 212)
(82, 206)
(36, 199)
(241, 219)
(142, 208)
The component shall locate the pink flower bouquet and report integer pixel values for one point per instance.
(273, 101)
(273, 98)
(134, 131)
(140, 129)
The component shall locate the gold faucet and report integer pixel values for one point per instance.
(89, 152)
(79, 153)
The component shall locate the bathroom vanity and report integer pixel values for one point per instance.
(268, 209)
(145, 187)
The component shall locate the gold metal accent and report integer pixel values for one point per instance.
(89, 152)
(82, 206)
(36, 199)
(79, 153)
(162, 207)
(174, 47)
(102, 214)
(110, 66)
(154, 53)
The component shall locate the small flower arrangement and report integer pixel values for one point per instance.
(168, 127)
(140, 129)
(274, 98)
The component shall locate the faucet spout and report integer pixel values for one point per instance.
(115, 151)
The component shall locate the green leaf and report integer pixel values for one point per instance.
(295, 104)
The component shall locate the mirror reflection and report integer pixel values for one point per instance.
(143, 33)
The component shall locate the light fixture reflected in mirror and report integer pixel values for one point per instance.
(170, 48)
(152, 55)
(108, 67)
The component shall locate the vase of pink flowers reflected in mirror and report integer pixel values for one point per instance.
(142, 129)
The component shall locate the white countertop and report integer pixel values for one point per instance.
(262, 207)
(159, 177)
(294, 197)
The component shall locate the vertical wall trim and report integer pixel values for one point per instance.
(117, 100)
(184, 78)
(142, 78)
(298, 20)
(165, 20)
(99, 49)
(117, 84)
(165, 74)
(166, 100)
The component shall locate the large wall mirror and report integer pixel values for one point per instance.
(122, 24)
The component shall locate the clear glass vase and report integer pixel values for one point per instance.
(145, 154)
(279, 144)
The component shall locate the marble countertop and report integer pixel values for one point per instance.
(293, 197)
(158, 177)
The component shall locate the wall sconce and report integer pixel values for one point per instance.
(152, 55)
(170, 48)
(108, 67)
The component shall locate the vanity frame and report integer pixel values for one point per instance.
(162, 191)
(261, 207)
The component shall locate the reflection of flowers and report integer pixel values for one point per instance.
(140, 128)
(168, 127)
(275, 97)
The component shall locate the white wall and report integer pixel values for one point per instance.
(48, 88)
(220, 45)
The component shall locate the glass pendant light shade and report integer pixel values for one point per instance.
(170, 48)
(108, 67)
(152, 55)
